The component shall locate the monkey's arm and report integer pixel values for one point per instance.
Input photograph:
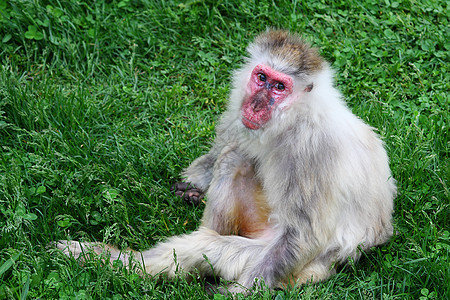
(199, 173)
(197, 176)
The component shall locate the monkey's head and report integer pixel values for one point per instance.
(283, 74)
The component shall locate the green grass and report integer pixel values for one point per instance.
(103, 104)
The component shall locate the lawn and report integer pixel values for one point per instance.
(103, 103)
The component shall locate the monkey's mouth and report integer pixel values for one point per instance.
(250, 124)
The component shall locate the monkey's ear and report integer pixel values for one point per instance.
(309, 87)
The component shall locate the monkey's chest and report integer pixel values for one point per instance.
(251, 209)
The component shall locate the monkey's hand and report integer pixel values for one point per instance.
(188, 192)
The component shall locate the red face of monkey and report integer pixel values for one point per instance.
(267, 89)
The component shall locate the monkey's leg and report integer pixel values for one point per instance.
(320, 268)
(233, 207)
(84, 250)
(229, 257)
(203, 250)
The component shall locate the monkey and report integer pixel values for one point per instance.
(295, 183)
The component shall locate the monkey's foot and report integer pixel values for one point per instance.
(188, 192)
(77, 249)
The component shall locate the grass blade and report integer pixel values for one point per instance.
(8, 264)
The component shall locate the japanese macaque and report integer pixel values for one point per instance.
(295, 183)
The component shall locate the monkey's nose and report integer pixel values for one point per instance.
(257, 105)
(259, 102)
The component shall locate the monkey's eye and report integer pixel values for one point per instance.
(279, 86)
(262, 77)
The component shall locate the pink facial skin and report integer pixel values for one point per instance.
(267, 88)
